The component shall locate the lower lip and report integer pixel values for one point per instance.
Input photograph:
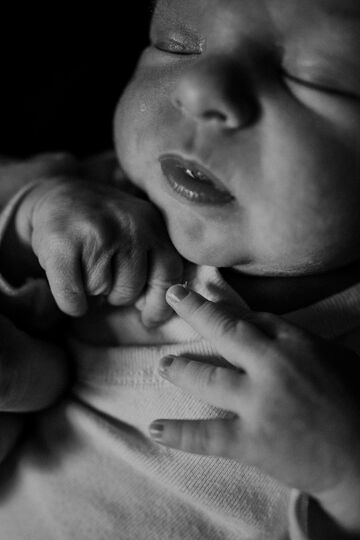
(194, 191)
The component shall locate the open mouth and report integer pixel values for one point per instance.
(193, 182)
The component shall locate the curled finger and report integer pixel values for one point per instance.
(165, 269)
(129, 277)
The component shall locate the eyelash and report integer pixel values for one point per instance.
(317, 86)
(181, 50)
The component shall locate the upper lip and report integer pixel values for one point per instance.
(195, 166)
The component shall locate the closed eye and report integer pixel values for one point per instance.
(172, 46)
(319, 86)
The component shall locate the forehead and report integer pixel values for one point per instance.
(348, 10)
(332, 25)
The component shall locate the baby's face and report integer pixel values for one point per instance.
(242, 124)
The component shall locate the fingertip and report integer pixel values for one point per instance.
(156, 430)
(177, 293)
(75, 310)
(165, 364)
(155, 313)
(151, 324)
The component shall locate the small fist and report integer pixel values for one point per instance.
(94, 240)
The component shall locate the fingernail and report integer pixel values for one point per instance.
(177, 293)
(165, 364)
(156, 430)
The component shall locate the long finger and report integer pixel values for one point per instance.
(218, 437)
(220, 386)
(237, 340)
(166, 269)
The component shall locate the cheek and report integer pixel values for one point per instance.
(141, 124)
(127, 130)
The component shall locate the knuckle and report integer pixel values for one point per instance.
(185, 438)
(206, 444)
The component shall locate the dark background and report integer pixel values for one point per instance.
(61, 75)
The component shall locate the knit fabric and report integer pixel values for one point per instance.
(87, 468)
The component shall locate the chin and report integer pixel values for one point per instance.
(204, 253)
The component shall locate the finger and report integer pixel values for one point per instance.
(238, 341)
(129, 277)
(65, 278)
(218, 437)
(97, 275)
(10, 429)
(166, 270)
(33, 373)
(220, 386)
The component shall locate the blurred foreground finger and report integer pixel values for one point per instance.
(207, 437)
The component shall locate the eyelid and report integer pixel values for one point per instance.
(177, 42)
(320, 86)
(176, 47)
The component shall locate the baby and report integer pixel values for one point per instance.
(237, 127)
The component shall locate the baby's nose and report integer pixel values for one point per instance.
(214, 91)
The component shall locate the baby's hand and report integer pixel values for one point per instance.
(295, 411)
(94, 240)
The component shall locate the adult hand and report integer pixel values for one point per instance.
(294, 414)
(33, 374)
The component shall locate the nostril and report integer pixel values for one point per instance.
(213, 92)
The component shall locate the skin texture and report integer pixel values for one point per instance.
(266, 95)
